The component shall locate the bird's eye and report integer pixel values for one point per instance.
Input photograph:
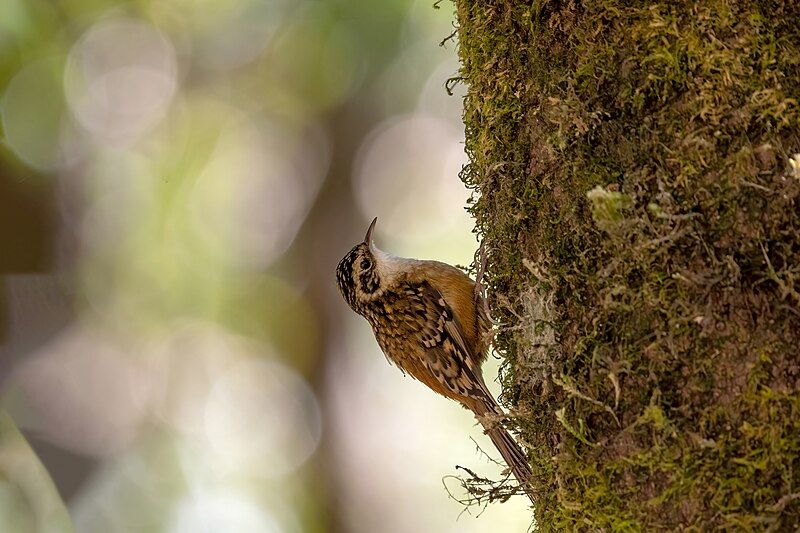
(365, 264)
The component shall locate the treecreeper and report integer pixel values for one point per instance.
(430, 320)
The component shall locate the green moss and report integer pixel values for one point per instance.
(631, 163)
(608, 207)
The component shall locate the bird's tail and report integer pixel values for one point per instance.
(512, 454)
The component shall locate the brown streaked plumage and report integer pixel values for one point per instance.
(429, 320)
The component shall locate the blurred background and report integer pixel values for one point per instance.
(178, 180)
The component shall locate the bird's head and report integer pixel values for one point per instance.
(358, 273)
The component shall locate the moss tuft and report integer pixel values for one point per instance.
(607, 207)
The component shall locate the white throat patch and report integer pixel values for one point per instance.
(389, 266)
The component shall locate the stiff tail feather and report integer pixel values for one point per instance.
(512, 454)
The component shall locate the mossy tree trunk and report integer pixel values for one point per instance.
(637, 195)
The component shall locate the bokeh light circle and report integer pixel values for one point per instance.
(119, 80)
(407, 175)
(262, 416)
(248, 413)
(90, 394)
(251, 196)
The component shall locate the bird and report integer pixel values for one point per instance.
(431, 321)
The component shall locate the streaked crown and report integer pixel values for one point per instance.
(357, 275)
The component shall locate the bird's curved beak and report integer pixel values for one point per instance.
(368, 238)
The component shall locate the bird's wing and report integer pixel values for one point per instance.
(447, 356)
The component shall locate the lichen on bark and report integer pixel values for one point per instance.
(632, 163)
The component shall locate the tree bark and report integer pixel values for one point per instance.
(632, 163)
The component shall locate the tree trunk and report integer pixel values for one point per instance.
(635, 188)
